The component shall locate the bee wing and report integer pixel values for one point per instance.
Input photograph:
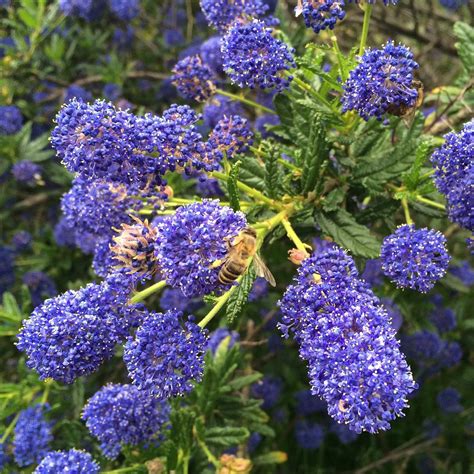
(262, 270)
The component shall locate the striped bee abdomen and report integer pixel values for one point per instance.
(230, 271)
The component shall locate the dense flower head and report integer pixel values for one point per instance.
(194, 78)
(414, 258)
(307, 403)
(222, 14)
(383, 79)
(259, 289)
(211, 54)
(231, 135)
(444, 319)
(167, 355)
(192, 240)
(453, 4)
(77, 92)
(41, 286)
(269, 390)
(454, 174)
(26, 171)
(373, 273)
(73, 461)
(254, 58)
(7, 269)
(4, 458)
(100, 141)
(134, 248)
(464, 272)
(344, 434)
(32, 436)
(11, 119)
(393, 312)
(449, 400)
(93, 209)
(217, 336)
(218, 107)
(264, 121)
(21, 241)
(125, 10)
(123, 415)
(86, 9)
(208, 187)
(322, 15)
(309, 435)
(345, 335)
(73, 334)
(422, 345)
(173, 298)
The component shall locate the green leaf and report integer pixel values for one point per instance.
(226, 436)
(241, 382)
(239, 297)
(273, 457)
(465, 45)
(411, 179)
(232, 187)
(273, 175)
(10, 306)
(346, 232)
(332, 201)
(252, 173)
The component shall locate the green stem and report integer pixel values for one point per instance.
(250, 191)
(125, 469)
(292, 235)
(283, 162)
(408, 218)
(427, 175)
(307, 88)
(221, 301)
(431, 203)
(44, 398)
(249, 102)
(211, 458)
(365, 28)
(9, 429)
(141, 295)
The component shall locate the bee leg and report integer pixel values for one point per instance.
(216, 263)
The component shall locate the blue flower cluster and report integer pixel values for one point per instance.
(167, 355)
(86, 9)
(414, 258)
(72, 461)
(41, 286)
(11, 119)
(307, 403)
(222, 14)
(254, 58)
(211, 54)
(309, 435)
(125, 10)
(444, 319)
(32, 436)
(21, 241)
(345, 335)
(219, 107)
(73, 334)
(269, 390)
(382, 79)
(123, 415)
(449, 400)
(98, 141)
(26, 171)
(231, 136)
(192, 240)
(454, 174)
(194, 78)
(219, 335)
(7, 269)
(322, 15)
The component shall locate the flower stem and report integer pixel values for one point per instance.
(408, 218)
(365, 28)
(250, 191)
(249, 102)
(141, 295)
(431, 203)
(125, 469)
(9, 429)
(44, 398)
(307, 88)
(292, 235)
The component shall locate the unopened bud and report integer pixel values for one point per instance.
(297, 256)
(233, 465)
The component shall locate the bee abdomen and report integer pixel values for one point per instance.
(229, 273)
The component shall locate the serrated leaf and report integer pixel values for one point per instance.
(465, 45)
(239, 297)
(273, 457)
(10, 306)
(332, 201)
(411, 179)
(226, 436)
(232, 187)
(346, 232)
(272, 173)
(241, 382)
(252, 173)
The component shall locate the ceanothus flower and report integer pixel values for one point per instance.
(73, 334)
(32, 436)
(449, 400)
(77, 92)
(86, 9)
(194, 78)
(192, 240)
(64, 233)
(414, 258)
(322, 15)
(120, 415)
(343, 433)
(217, 336)
(453, 4)
(444, 319)
(41, 286)
(422, 346)
(26, 171)
(345, 335)
(269, 390)
(211, 54)
(218, 107)
(4, 458)
(383, 79)
(264, 121)
(254, 58)
(393, 312)
(208, 187)
(464, 272)
(221, 14)
(125, 10)
(231, 136)
(73, 461)
(259, 289)
(11, 119)
(21, 241)
(167, 355)
(307, 403)
(454, 174)
(309, 435)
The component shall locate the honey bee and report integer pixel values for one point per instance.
(241, 250)
(406, 112)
